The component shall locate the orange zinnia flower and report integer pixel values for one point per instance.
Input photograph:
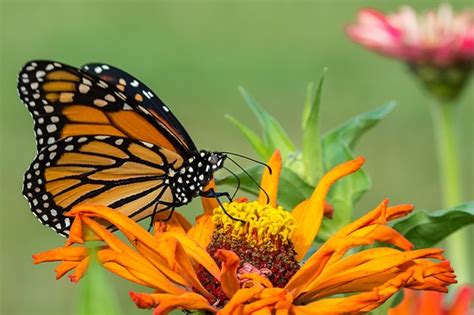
(414, 303)
(256, 267)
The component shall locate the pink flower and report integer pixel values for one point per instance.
(440, 38)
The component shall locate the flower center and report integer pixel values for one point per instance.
(262, 242)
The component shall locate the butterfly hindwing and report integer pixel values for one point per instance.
(125, 174)
(66, 101)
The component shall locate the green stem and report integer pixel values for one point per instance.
(446, 123)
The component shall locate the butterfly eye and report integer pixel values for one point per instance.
(214, 159)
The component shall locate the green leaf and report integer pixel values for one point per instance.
(96, 295)
(274, 136)
(397, 299)
(337, 148)
(312, 151)
(292, 190)
(426, 229)
(351, 131)
(257, 144)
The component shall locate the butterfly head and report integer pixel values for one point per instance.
(206, 163)
(216, 160)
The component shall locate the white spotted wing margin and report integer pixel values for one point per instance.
(124, 174)
(67, 101)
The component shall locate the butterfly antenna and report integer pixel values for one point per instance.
(238, 181)
(250, 159)
(251, 178)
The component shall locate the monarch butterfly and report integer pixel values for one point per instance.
(104, 137)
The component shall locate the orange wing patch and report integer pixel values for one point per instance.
(101, 147)
(62, 75)
(74, 158)
(85, 114)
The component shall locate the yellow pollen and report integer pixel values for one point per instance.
(263, 223)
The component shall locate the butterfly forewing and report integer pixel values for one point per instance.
(124, 174)
(151, 104)
(66, 101)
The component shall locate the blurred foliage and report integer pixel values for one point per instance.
(302, 169)
(194, 55)
(96, 295)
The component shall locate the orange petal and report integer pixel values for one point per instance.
(202, 231)
(260, 311)
(230, 263)
(256, 278)
(315, 265)
(384, 233)
(141, 239)
(165, 303)
(377, 215)
(186, 270)
(351, 304)
(406, 306)
(240, 297)
(177, 223)
(308, 217)
(61, 254)
(80, 270)
(75, 232)
(358, 268)
(122, 272)
(196, 252)
(154, 274)
(462, 300)
(398, 211)
(269, 182)
(430, 303)
(266, 300)
(209, 204)
(64, 267)
(141, 269)
(284, 306)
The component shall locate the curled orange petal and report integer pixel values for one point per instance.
(80, 270)
(176, 223)
(309, 216)
(269, 182)
(61, 254)
(64, 267)
(230, 263)
(240, 297)
(256, 278)
(266, 300)
(165, 303)
(75, 233)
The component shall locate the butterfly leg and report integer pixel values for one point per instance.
(211, 193)
(155, 210)
(170, 215)
(150, 227)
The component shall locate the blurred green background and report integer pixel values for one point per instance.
(194, 55)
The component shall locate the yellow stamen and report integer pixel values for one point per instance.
(263, 223)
